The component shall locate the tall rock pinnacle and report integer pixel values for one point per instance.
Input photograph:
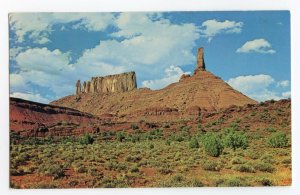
(200, 61)
(78, 87)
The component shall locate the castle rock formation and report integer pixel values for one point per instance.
(108, 84)
(200, 61)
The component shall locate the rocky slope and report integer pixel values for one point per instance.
(192, 95)
(35, 119)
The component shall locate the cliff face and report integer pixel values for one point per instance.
(35, 119)
(192, 95)
(108, 84)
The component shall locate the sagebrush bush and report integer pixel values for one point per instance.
(236, 182)
(56, 171)
(212, 145)
(278, 140)
(244, 168)
(237, 160)
(86, 139)
(121, 136)
(264, 167)
(211, 166)
(235, 139)
(194, 143)
(134, 126)
(266, 182)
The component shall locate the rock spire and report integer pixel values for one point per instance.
(200, 61)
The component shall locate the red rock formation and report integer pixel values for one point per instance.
(111, 83)
(203, 90)
(200, 61)
(35, 119)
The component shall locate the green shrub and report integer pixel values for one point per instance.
(264, 167)
(212, 145)
(165, 170)
(237, 160)
(134, 169)
(73, 183)
(86, 139)
(196, 183)
(235, 139)
(56, 171)
(236, 182)
(266, 182)
(271, 129)
(151, 146)
(211, 166)
(134, 126)
(121, 136)
(267, 158)
(234, 125)
(194, 143)
(278, 140)
(244, 168)
(133, 158)
(200, 128)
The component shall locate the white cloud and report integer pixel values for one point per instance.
(284, 83)
(38, 26)
(43, 68)
(149, 44)
(14, 51)
(258, 46)
(257, 87)
(42, 59)
(143, 49)
(286, 94)
(30, 97)
(172, 74)
(211, 28)
(17, 82)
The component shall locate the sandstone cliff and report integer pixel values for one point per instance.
(203, 90)
(200, 61)
(108, 84)
(35, 119)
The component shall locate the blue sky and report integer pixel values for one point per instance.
(49, 52)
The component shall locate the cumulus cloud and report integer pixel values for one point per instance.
(142, 48)
(43, 68)
(38, 26)
(14, 51)
(284, 83)
(30, 96)
(17, 82)
(286, 94)
(258, 87)
(172, 74)
(135, 45)
(211, 28)
(258, 46)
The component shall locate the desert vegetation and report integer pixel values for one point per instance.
(189, 156)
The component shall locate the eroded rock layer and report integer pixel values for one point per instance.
(108, 84)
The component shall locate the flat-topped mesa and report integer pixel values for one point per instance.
(108, 84)
(200, 61)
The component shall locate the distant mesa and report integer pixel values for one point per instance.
(118, 96)
(125, 81)
(108, 84)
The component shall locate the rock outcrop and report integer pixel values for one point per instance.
(194, 94)
(78, 87)
(109, 84)
(200, 61)
(29, 118)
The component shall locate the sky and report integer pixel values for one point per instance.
(49, 52)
